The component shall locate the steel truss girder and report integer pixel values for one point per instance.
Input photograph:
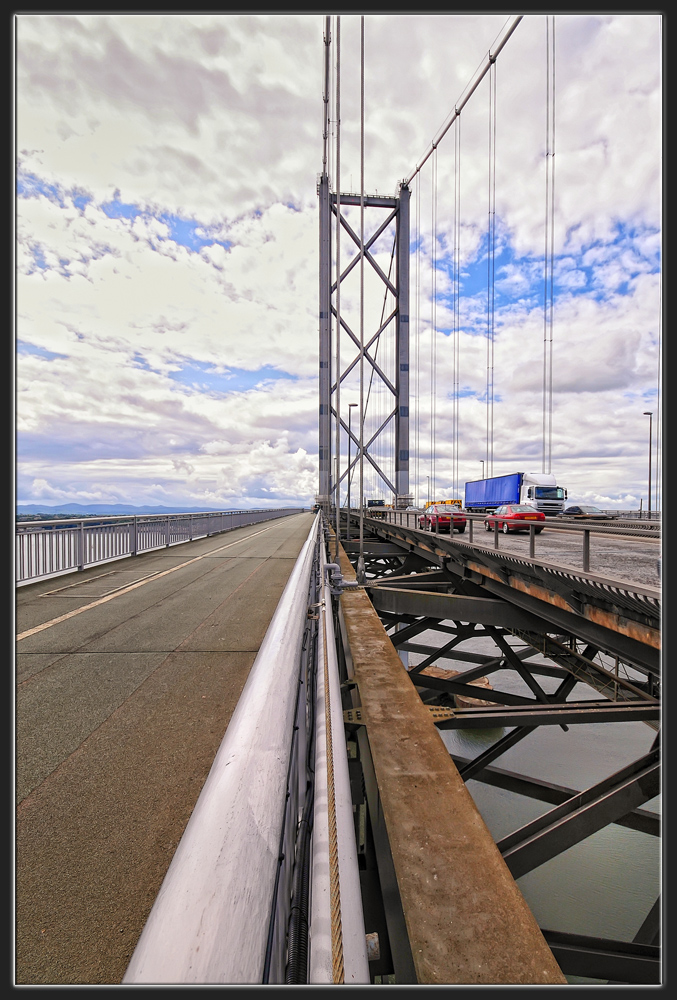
(453, 557)
(567, 713)
(599, 958)
(576, 814)
(484, 610)
(641, 820)
(582, 815)
(585, 669)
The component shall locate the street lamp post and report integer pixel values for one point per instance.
(428, 489)
(350, 411)
(482, 461)
(649, 414)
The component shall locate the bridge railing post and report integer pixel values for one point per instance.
(81, 545)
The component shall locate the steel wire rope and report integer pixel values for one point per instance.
(337, 483)
(549, 248)
(491, 270)
(462, 101)
(360, 561)
(433, 321)
(552, 249)
(659, 422)
(456, 293)
(417, 346)
(380, 413)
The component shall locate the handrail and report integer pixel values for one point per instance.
(45, 549)
(210, 921)
(343, 893)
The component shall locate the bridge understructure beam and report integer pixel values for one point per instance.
(441, 617)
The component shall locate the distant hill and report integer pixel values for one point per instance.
(100, 509)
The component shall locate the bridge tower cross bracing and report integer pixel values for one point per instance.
(398, 212)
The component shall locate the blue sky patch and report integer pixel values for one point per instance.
(185, 232)
(205, 378)
(23, 347)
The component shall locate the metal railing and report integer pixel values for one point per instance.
(248, 897)
(474, 521)
(51, 548)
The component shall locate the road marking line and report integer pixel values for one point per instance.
(133, 586)
(83, 583)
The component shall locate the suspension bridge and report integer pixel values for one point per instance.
(254, 747)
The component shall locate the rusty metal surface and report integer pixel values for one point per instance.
(466, 919)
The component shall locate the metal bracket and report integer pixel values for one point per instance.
(336, 582)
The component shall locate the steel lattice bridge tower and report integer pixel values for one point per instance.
(392, 433)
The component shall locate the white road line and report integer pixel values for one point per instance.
(133, 586)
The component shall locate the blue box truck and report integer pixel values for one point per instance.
(536, 489)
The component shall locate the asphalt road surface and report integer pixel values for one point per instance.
(630, 559)
(120, 710)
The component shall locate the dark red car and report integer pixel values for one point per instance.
(443, 517)
(514, 517)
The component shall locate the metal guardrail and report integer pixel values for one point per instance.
(250, 893)
(475, 522)
(50, 548)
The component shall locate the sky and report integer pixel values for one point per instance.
(167, 235)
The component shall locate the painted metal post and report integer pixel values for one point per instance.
(649, 414)
(402, 346)
(586, 550)
(134, 540)
(81, 546)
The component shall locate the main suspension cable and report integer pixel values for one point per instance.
(460, 104)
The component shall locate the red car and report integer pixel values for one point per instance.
(514, 517)
(444, 517)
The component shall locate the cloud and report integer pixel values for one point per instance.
(167, 248)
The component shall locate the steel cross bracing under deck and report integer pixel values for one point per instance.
(603, 633)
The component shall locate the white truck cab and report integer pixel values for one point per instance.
(540, 490)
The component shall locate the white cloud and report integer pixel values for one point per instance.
(217, 118)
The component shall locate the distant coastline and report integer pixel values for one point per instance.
(30, 511)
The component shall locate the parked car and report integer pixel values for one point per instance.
(588, 513)
(514, 517)
(444, 517)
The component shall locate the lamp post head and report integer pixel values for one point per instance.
(648, 413)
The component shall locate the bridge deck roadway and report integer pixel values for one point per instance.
(120, 709)
(466, 920)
